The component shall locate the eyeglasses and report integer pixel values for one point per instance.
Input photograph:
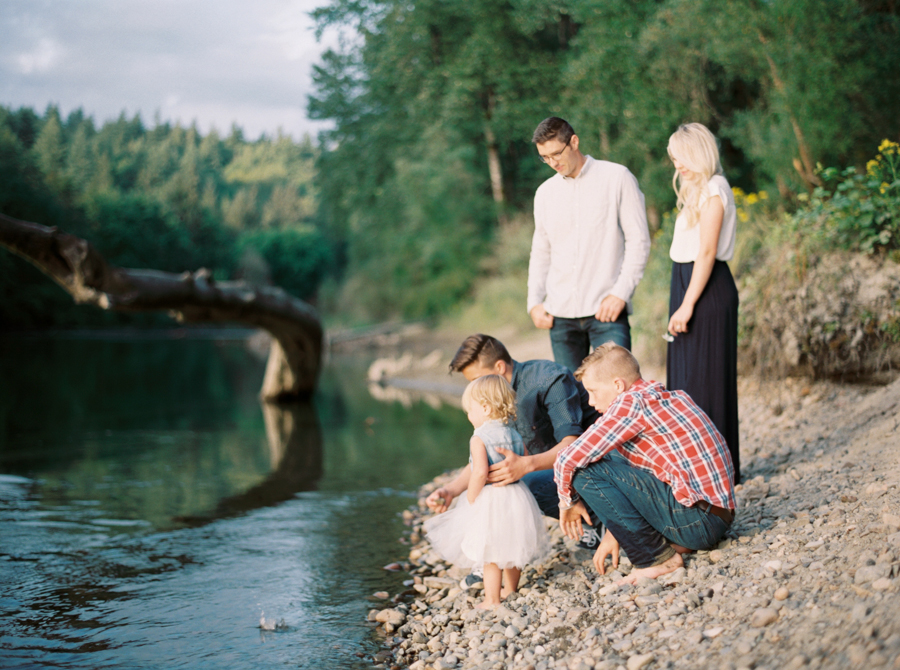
(555, 157)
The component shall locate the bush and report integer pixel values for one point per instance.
(852, 211)
(297, 259)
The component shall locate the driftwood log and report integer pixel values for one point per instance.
(190, 297)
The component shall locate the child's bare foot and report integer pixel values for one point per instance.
(654, 571)
(505, 593)
(485, 605)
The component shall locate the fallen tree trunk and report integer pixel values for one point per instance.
(190, 297)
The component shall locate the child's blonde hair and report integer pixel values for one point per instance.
(609, 361)
(694, 146)
(495, 392)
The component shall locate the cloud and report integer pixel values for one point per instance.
(188, 60)
(43, 57)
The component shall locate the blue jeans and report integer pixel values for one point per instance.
(642, 513)
(573, 339)
(543, 488)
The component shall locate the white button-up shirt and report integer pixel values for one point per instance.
(590, 240)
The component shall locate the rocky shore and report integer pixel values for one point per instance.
(808, 576)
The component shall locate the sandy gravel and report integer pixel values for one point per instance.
(808, 576)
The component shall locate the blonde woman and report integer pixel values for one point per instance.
(703, 303)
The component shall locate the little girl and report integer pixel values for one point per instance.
(499, 528)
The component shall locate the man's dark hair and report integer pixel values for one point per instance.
(485, 349)
(553, 128)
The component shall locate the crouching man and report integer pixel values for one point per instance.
(653, 468)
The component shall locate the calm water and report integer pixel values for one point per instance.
(152, 512)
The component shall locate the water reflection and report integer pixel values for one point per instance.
(295, 458)
(151, 511)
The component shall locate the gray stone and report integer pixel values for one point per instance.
(870, 573)
(675, 577)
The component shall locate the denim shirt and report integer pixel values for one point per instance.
(550, 404)
(495, 433)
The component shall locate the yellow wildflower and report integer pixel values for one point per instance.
(737, 192)
(752, 198)
(888, 147)
(742, 215)
(763, 195)
(871, 167)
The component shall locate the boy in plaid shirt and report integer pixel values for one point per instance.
(653, 468)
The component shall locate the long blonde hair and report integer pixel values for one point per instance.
(694, 146)
(495, 392)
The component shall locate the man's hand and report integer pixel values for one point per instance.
(508, 471)
(609, 546)
(610, 309)
(541, 317)
(570, 520)
(439, 500)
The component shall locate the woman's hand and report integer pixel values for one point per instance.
(679, 321)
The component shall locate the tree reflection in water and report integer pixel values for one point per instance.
(294, 438)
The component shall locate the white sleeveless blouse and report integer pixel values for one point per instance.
(686, 241)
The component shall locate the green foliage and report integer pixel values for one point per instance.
(165, 198)
(784, 84)
(853, 211)
(296, 259)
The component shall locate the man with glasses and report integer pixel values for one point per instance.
(589, 249)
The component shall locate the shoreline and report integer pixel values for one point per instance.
(807, 577)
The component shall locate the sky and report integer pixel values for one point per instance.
(213, 62)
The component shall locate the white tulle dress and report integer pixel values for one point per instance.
(503, 526)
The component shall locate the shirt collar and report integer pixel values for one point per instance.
(516, 366)
(589, 160)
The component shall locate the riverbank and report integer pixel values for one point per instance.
(807, 577)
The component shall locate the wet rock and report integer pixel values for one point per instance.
(391, 616)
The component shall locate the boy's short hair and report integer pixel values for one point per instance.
(494, 391)
(485, 349)
(608, 361)
(553, 128)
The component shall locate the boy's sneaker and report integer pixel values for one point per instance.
(472, 581)
(590, 539)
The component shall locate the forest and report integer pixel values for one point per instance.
(427, 171)
(161, 197)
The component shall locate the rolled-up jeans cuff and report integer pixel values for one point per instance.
(666, 554)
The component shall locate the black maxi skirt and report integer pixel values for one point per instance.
(703, 361)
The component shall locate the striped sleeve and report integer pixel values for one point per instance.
(620, 423)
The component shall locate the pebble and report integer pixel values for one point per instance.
(806, 571)
(763, 617)
(639, 661)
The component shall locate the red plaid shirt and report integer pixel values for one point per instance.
(660, 431)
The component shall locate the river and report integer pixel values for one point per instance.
(153, 513)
